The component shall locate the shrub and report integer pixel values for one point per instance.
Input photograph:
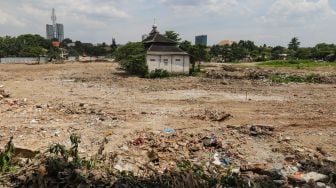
(132, 58)
(194, 71)
(159, 73)
(135, 64)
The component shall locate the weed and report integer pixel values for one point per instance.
(67, 157)
(6, 157)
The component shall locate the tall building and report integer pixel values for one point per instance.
(50, 32)
(201, 39)
(56, 30)
(60, 32)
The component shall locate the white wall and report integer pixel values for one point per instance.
(170, 63)
(152, 65)
(23, 60)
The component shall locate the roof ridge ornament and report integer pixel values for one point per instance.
(154, 30)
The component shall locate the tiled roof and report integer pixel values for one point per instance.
(158, 38)
(164, 48)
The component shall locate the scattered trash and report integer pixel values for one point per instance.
(220, 159)
(314, 176)
(57, 132)
(138, 142)
(256, 167)
(33, 121)
(291, 169)
(4, 94)
(257, 130)
(210, 141)
(169, 130)
(153, 156)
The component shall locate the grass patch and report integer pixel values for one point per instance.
(296, 63)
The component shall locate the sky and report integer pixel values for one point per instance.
(271, 22)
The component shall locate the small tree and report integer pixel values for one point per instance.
(132, 58)
(294, 44)
(173, 36)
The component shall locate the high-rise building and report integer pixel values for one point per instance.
(56, 30)
(60, 32)
(201, 39)
(50, 32)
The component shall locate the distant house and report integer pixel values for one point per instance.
(226, 43)
(282, 56)
(163, 53)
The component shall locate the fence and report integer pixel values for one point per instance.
(23, 60)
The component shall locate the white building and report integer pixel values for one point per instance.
(163, 53)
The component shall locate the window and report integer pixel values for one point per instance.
(165, 61)
(177, 59)
(152, 59)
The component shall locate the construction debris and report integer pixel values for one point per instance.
(212, 115)
(3, 94)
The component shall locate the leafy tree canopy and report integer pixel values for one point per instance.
(173, 36)
(294, 44)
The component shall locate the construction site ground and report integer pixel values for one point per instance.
(97, 101)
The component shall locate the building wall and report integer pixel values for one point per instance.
(170, 63)
(23, 60)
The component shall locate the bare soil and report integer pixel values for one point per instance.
(98, 100)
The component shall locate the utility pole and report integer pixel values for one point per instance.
(53, 19)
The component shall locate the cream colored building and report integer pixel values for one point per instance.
(163, 53)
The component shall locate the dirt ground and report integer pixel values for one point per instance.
(97, 100)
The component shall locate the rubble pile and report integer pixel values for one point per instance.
(161, 152)
(170, 154)
(255, 130)
(83, 109)
(3, 94)
(212, 115)
(264, 74)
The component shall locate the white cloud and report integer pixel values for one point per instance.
(8, 19)
(201, 7)
(265, 21)
(287, 12)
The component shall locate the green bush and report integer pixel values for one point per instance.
(132, 58)
(135, 64)
(159, 73)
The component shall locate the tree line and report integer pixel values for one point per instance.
(248, 51)
(29, 45)
(26, 46)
